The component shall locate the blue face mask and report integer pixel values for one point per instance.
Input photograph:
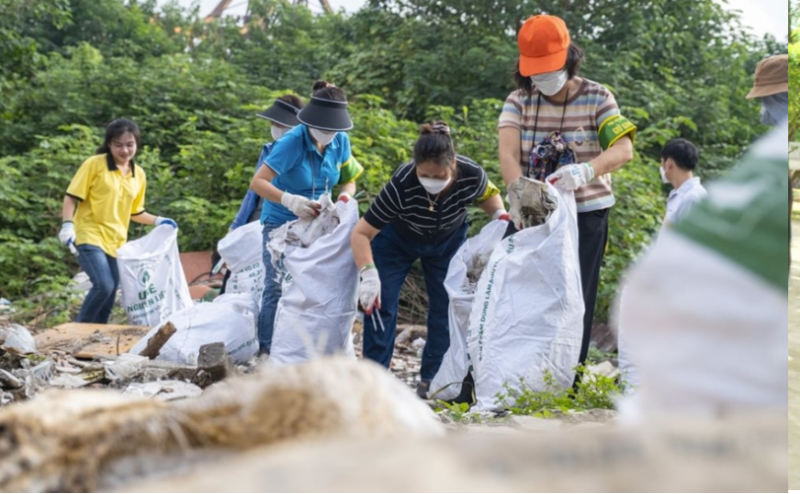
(774, 108)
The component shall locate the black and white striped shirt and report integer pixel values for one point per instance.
(418, 215)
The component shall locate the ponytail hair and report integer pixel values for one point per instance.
(115, 129)
(435, 145)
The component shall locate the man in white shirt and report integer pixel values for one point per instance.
(678, 161)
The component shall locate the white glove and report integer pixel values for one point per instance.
(160, 220)
(67, 233)
(571, 177)
(369, 291)
(301, 206)
(500, 214)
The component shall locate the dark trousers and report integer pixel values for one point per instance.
(393, 257)
(592, 239)
(104, 275)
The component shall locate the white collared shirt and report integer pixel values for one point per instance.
(682, 199)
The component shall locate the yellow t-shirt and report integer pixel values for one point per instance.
(107, 202)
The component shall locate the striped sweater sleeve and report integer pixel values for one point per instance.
(511, 115)
(386, 206)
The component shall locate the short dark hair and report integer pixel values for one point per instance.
(326, 90)
(115, 129)
(293, 100)
(573, 65)
(682, 152)
(434, 145)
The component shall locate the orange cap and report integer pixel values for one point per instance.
(543, 44)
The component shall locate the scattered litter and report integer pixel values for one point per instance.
(164, 390)
(125, 367)
(9, 380)
(68, 381)
(89, 340)
(605, 368)
(81, 282)
(531, 203)
(17, 340)
(98, 337)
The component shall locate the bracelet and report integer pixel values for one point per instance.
(67, 221)
(366, 267)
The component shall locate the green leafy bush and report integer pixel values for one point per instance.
(194, 88)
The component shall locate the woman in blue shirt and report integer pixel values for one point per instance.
(283, 118)
(308, 161)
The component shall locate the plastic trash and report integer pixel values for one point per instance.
(17, 340)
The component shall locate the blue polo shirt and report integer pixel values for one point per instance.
(301, 169)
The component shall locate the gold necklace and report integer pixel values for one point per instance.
(432, 202)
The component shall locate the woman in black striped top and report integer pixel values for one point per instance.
(420, 214)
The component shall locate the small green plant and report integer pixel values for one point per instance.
(593, 391)
(596, 355)
(454, 411)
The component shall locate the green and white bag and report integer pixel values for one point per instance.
(706, 309)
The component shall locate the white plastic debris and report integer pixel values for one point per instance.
(17, 340)
(164, 390)
(67, 381)
(81, 282)
(126, 366)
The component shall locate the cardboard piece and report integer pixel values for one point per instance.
(87, 340)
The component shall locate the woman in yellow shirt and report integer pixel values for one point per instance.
(103, 197)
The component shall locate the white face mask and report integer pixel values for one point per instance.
(322, 137)
(664, 178)
(551, 82)
(434, 185)
(278, 132)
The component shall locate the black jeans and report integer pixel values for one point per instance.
(592, 239)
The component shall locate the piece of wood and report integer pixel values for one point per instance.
(158, 340)
(88, 340)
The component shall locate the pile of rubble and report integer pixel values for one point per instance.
(91, 358)
(408, 345)
(26, 371)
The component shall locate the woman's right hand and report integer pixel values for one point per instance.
(67, 233)
(369, 291)
(301, 206)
